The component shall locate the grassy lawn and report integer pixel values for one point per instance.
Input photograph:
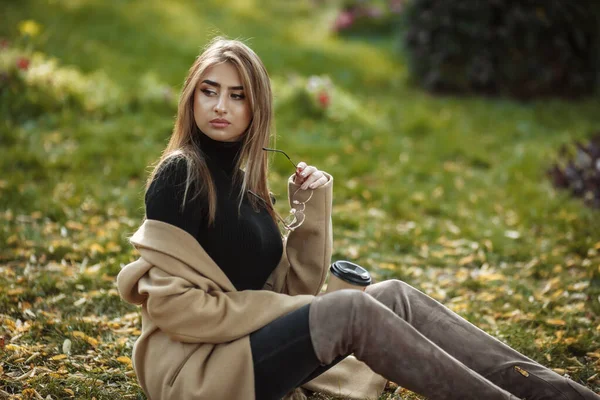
(448, 194)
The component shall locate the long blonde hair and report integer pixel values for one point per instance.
(253, 159)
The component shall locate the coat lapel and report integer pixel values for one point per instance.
(177, 243)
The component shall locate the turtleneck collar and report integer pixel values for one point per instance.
(223, 154)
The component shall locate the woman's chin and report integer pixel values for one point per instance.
(222, 135)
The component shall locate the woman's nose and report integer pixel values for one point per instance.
(221, 106)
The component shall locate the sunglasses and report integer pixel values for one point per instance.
(281, 152)
(296, 216)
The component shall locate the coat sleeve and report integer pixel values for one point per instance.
(193, 313)
(308, 248)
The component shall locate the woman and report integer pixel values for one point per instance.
(230, 311)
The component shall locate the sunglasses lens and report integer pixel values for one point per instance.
(296, 220)
(290, 219)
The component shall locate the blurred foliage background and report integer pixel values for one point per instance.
(446, 125)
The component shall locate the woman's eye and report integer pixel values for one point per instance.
(208, 92)
(238, 96)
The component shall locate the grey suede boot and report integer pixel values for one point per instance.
(349, 321)
(476, 349)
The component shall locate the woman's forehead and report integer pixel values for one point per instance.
(222, 75)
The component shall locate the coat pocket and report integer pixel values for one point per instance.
(188, 350)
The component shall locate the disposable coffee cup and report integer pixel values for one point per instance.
(347, 275)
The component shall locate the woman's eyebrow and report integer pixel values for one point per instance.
(216, 84)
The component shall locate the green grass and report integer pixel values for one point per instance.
(448, 194)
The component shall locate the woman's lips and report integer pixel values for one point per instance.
(219, 124)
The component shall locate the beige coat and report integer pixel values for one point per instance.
(195, 325)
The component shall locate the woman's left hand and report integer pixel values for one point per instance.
(309, 176)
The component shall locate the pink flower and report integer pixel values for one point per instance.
(23, 63)
(324, 99)
(344, 20)
(396, 6)
(374, 12)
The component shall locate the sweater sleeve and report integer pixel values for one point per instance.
(165, 194)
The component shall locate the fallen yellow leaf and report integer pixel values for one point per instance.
(570, 340)
(14, 292)
(559, 336)
(556, 322)
(466, 260)
(58, 357)
(76, 226)
(36, 215)
(29, 393)
(12, 347)
(491, 277)
(96, 248)
(93, 342)
(124, 360)
(388, 266)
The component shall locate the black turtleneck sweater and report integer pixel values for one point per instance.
(246, 246)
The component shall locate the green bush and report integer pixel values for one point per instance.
(317, 97)
(578, 170)
(521, 48)
(32, 84)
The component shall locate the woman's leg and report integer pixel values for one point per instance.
(283, 355)
(476, 349)
(350, 321)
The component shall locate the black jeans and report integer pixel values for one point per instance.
(283, 355)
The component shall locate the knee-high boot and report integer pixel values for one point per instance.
(476, 349)
(350, 321)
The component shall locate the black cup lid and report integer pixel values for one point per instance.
(351, 273)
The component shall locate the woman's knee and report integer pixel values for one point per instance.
(394, 294)
(347, 299)
(334, 320)
(340, 307)
(388, 286)
(389, 290)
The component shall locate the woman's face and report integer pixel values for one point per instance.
(221, 109)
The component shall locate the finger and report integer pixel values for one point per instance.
(300, 166)
(299, 179)
(312, 178)
(319, 182)
(308, 171)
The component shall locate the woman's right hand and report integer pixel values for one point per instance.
(309, 176)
